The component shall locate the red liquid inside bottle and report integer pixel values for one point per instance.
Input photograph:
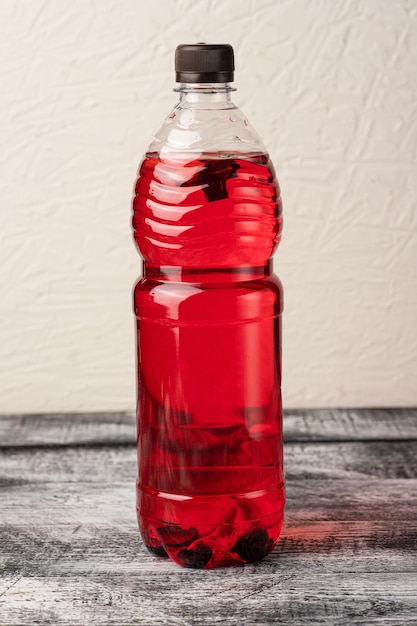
(210, 486)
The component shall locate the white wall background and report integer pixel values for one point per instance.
(331, 86)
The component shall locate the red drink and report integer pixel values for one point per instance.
(210, 484)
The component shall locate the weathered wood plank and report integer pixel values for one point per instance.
(70, 547)
(308, 501)
(195, 599)
(354, 424)
(353, 459)
(62, 429)
(349, 460)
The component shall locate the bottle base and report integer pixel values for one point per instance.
(237, 534)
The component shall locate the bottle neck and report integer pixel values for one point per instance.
(205, 93)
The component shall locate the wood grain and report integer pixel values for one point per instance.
(351, 424)
(70, 552)
(63, 429)
(352, 460)
(216, 598)
(59, 429)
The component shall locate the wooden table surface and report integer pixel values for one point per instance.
(70, 552)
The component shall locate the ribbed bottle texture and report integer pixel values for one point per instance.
(212, 211)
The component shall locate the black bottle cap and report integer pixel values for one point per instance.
(204, 63)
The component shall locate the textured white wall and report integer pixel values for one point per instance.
(331, 86)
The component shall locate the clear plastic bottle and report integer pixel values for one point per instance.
(207, 219)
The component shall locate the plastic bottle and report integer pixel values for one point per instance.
(207, 218)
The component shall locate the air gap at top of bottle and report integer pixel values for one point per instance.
(207, 219)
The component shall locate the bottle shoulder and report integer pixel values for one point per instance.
(205, 127)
